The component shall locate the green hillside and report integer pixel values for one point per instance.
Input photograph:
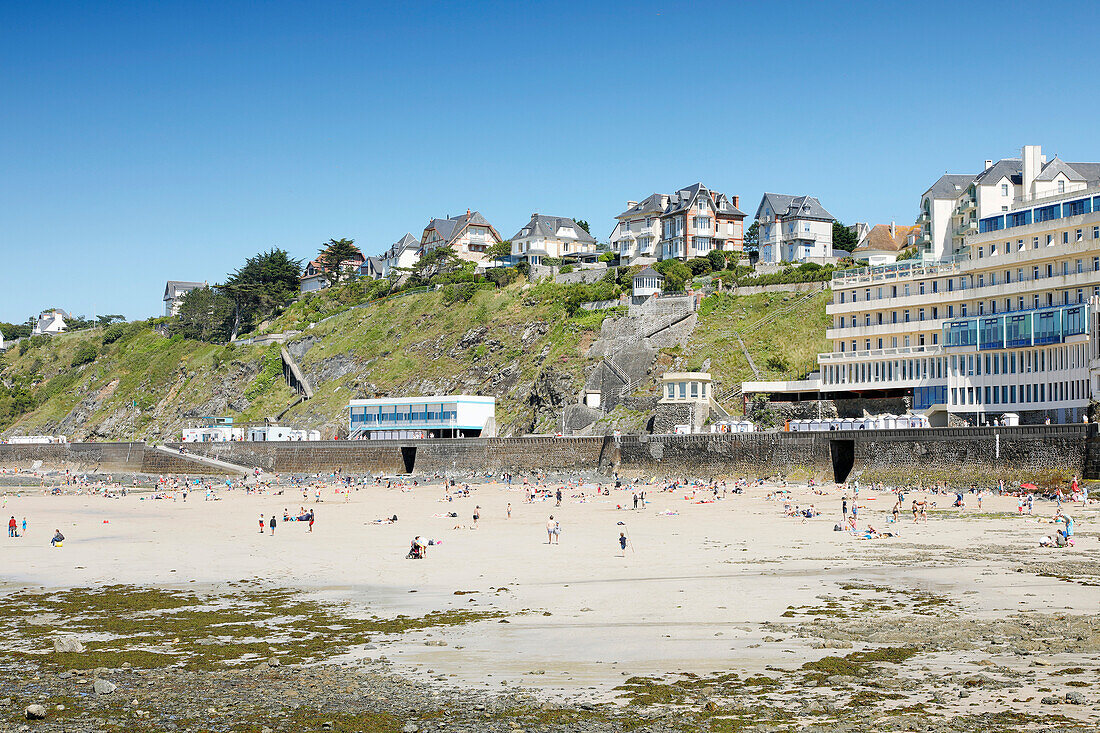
(517, 343)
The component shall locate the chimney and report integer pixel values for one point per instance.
(534, 215)
(1032, 158)
(893, 230)
(631, 204)
(988, 164)
(736, 202)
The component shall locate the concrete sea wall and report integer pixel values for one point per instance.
(1044, 454)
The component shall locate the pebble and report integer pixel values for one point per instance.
(104, 687)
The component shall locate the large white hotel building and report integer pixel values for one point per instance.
(996, 315)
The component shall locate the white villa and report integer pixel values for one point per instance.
(469, 235)
(551, 236)
(953, 207)
(688, 223)
(174, 292)
(793, 229)
(51, 322)
(402, 254)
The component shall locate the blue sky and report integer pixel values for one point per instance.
(141, 142)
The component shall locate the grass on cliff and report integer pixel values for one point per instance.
(522, 348)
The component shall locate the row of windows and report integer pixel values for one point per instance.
(883, 371)
(1039, 214)
(1027, 361)
(680, 390)
(1033, 328)
(1076, 235)
(965, 282)
(1007, 394)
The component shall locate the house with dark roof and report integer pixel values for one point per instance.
(793, 229)
(468, 235)
(402, 254)
(51, 322)
(954, 206)
(174, 292)
(551, 236)
(685, 224)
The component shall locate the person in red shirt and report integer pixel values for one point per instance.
(11, 527)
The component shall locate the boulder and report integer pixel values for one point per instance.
(68, 645)
(35, 712)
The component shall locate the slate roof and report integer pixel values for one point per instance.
(548, 226)
(174, 286)
(794, 207)
(1053, 168)
(450, 229)
(654, 202)
(950, 185)
(649, 272)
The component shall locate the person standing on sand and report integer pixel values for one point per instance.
(272, 525)
(262, 523)
(11, 526)
(558, 497)
(551, 530)
(477, 516)
(24, 526)
(310, 520)
(509, 510)
(622, 543)
(844, 506)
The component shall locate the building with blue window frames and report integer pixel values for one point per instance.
(405, 418)
(1007, 321)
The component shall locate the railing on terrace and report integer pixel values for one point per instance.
(1031, 199)
(897, 270)
(878, 353)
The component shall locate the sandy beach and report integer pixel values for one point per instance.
(702, 588)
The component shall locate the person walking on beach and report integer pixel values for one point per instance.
(11, 526)
(24, 526)
(310, 520)
(622, 543)
(551, 530)
(262, 523)
(509, 510)
(272, 525)
(477, 516)
(558, 497)
(635, 500)
(844, 506)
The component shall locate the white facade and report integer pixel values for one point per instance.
(213, 434)
(174, 291)
(793, 229)
(646, 283)
(50, 323)
(281, 433)
(452, 416)
(402, 255)
(1008, 325)
(685, 387)
(552, 236)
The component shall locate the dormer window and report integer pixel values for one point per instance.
(1061, 186)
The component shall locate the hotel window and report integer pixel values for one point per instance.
(867, 344)
(853, 321)
(1004, 189)
(935, 286)
(1065, 237)
(1080, 267)
(907, 315)
(1080, 295)
(950, 311)
(893, 316)
(981, 281)
(866, 319)
(1079, 235)
(1035, 272)
(1096, 232)
(935, 312)
(1050, 269)
(935, 338)
(920, 288)
(878, 318)
(880, 343)
(1050, 239)
(841, 296)
(992, 249)
(962, 309)
(1008, 276)
(981, 252)
(893, 291)
(920, 340)
(1019, 245)
(920, 314)
(1035, 243)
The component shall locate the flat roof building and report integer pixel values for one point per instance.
(421, 418)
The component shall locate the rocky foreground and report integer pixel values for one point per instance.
(263, 660)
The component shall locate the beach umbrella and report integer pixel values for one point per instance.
(1029, 487)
